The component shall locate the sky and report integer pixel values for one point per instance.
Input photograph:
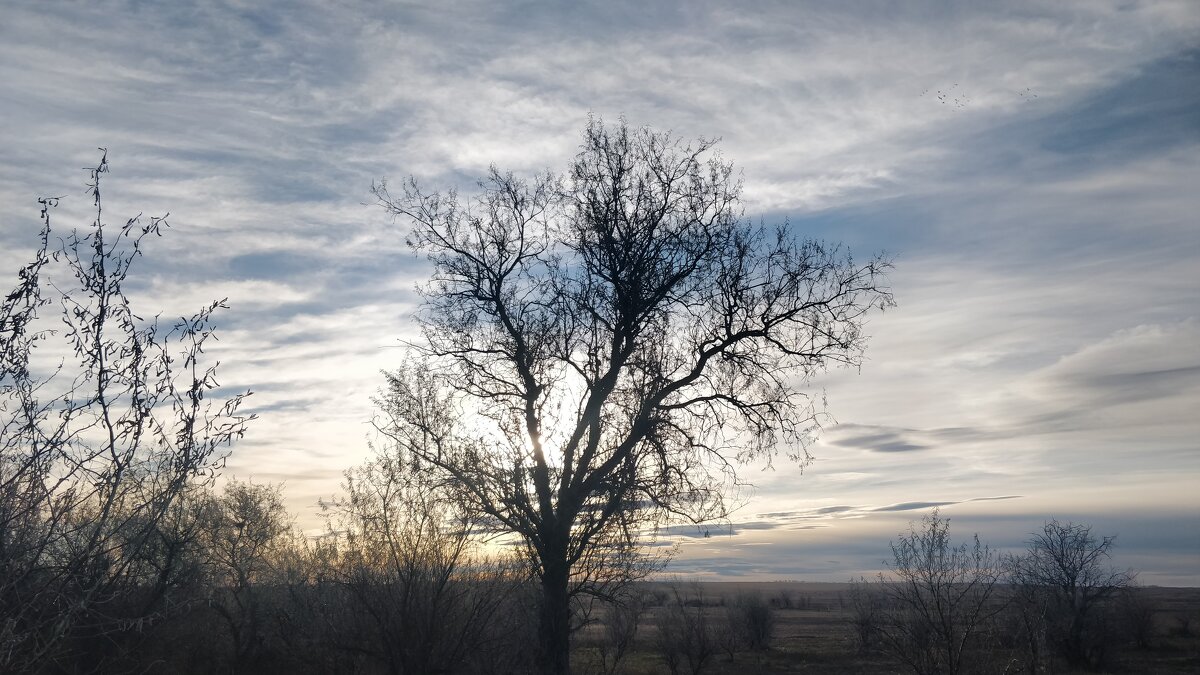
(1032, 167)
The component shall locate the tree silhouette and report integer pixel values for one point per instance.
(1064, 583)
(603, 348)
(938, 598)
(105, 424)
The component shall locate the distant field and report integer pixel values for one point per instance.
(813, 633)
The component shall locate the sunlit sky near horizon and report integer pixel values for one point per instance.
(1033, 167)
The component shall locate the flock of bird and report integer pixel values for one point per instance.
(949, 97)
(959, 99)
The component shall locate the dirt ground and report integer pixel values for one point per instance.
(813, 634)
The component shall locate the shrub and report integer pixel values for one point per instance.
(619, 631)
(865, 609)
(686, 637)
(938, 598)
(1066, 588)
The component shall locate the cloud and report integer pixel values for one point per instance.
(877, 440)
(1045, 340)
(841, 511)
(912, 506)
(810, 513)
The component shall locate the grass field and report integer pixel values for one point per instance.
(813, 634)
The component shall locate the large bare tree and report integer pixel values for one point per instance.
(603, 348)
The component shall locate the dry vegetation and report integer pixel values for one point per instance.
(815, 632)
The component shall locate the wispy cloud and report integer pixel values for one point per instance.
(1033, 169)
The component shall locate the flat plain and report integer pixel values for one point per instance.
(814, 633)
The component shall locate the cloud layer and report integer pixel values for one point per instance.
(1032, 169)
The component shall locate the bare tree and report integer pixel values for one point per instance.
(422, 597)
(247, 526)
(1064, 577)
(601, 349)
(866, 603)
(1139, 614)
(105, 421)
(687, 637)
(749, 622)
(619, 631)
(939, 598)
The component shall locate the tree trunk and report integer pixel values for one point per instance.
(554, 628)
